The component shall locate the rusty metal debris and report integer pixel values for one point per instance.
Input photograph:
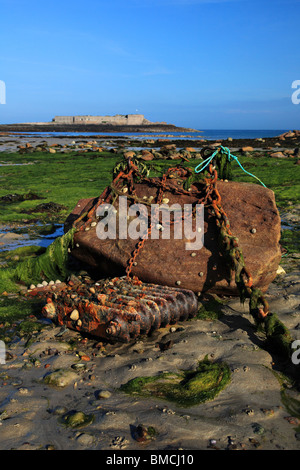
(119, 309)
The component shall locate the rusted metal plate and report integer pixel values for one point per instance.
(254, 220)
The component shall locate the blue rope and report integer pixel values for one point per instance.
(226, 150)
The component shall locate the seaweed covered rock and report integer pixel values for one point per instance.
(186, 388)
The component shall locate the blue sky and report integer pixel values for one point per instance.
(206, 64)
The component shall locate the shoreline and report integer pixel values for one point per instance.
(49, 127)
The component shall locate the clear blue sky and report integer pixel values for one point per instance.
(206, 64)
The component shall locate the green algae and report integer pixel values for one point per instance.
(52, 264)
(210, 308)
(186, 388)
(22, 252)
(290, 240)
(278, 336)
(60, 178)
(17, 318)
(76, 419)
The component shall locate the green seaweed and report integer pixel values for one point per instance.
(186, 388)
(76, 419)
(290, 240)
(210, 309)
(278, 336)
(48, 266)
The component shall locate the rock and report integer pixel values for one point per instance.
(129, 154)
(169, 147)
(85, 440)
(258, 428)
(74, 315)
(167, 261)
(278, 155)
(59, 410)
(60, 378)
(103, 394)
(147, 156)
(142, 434)
(77, 419)
(247, 149)
(280, 271)
(52, 150)
(214, 145)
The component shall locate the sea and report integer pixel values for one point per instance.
(207, 134)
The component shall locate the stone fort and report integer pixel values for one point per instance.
(119, 119)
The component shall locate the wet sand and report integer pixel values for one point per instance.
(248, 414)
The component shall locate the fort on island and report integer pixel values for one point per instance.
(118, 119)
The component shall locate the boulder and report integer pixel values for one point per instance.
(129, 154)
(254, 220)
(278, 155)
(146, 155)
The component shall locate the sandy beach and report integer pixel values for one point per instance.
(248, 414)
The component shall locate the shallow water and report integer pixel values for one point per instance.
(210, 134)
(29, 239)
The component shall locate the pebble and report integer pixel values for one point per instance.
(168, 411)
(74, 315)
(104, 394)
(86, 440)
(85, 357)
(59, 410)
(258, 428)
